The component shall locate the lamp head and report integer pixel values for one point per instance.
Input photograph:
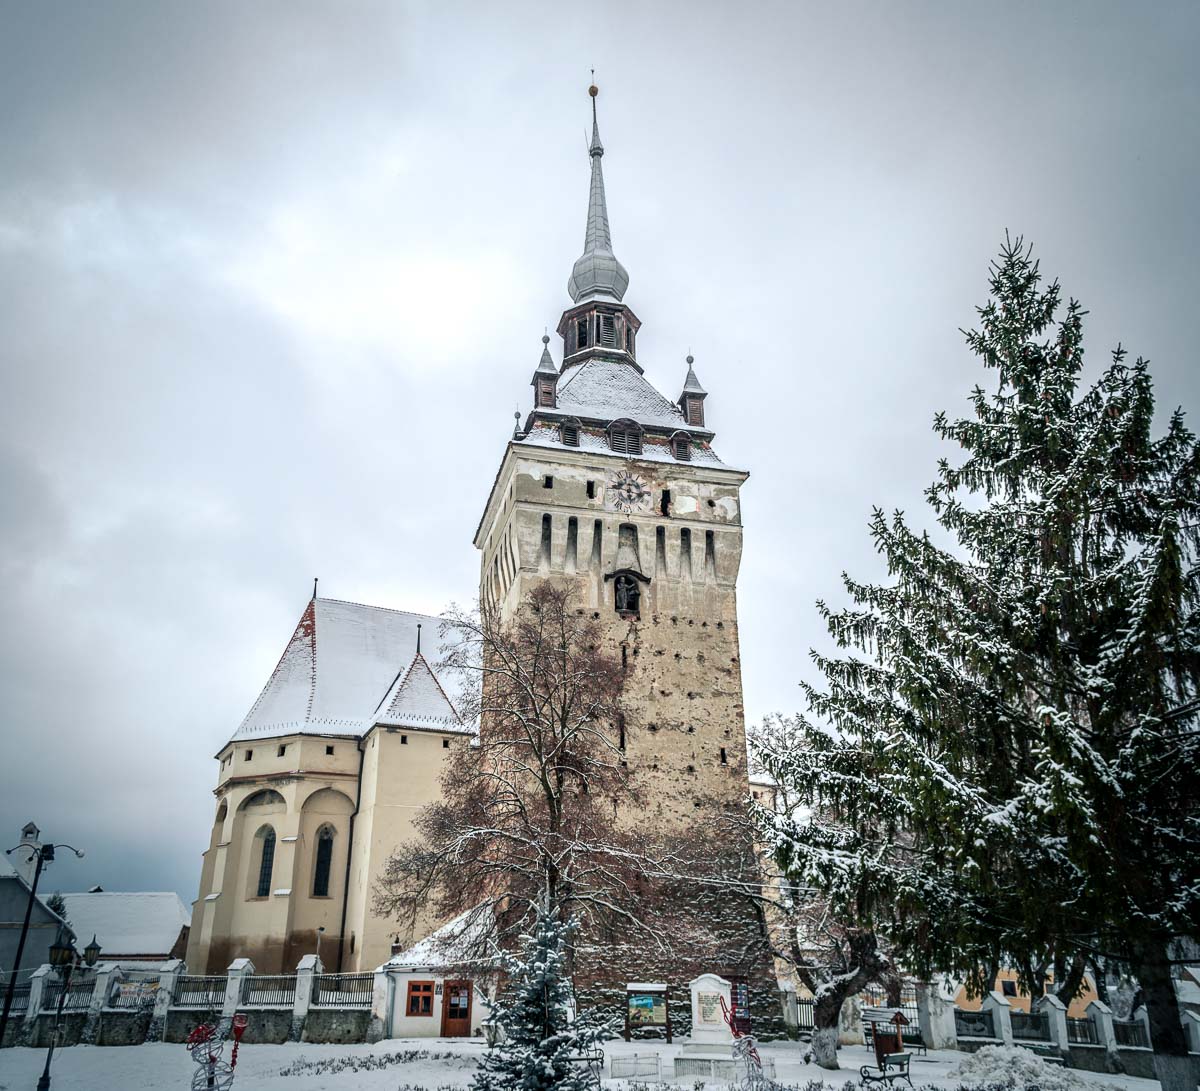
(62, 950)
(91, 952)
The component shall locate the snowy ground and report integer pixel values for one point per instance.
(140, 1068)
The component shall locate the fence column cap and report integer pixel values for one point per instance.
(173, 966)
(1052, 1000)
(310, 964)
(997, 997)
(1100, 1006)
(241, 966)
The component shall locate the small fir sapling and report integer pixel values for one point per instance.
(533, 1011)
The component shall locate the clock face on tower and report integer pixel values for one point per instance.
(628, 492)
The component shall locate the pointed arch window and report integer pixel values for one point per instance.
(266, 862)
(323, 863)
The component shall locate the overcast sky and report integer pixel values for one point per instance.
(273, 278)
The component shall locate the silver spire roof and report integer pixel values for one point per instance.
(597, 274)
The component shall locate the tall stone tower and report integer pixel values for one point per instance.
(615, 487)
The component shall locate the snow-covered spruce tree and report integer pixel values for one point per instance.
(532, 1010)
(1007, 765)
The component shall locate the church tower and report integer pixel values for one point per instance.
(613, 486)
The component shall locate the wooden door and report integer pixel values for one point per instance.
(456, 1009)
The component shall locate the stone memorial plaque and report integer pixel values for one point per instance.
(710, 1008)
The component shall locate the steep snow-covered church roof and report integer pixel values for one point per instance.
(342, 661)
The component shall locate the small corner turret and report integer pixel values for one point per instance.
(691, 401)
(545, 379)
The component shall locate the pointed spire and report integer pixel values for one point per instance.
(546, 368)
(597, 274)
(691, 385)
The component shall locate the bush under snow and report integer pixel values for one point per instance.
(1011, 1068)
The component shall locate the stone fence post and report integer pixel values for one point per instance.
(935, 1017)
(306, 974)
(1056, 1015)
(1101, 1014)
(381, 1006)
(105, 982)
(1143, 1016)
(239, 970)
(168, 975)
(37, 997)
(1001, 1010)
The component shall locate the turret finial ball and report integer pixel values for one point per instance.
(593, 90)
(691, 359)
(545, 339)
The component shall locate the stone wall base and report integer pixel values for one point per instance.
(336, 1026)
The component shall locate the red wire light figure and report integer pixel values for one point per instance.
(745, 1049)
(206, 1048)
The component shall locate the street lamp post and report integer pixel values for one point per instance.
(65, 959)
(43, 854)
(320, 933)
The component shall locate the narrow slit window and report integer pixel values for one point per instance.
(620, 730)
(281, 751)
(547, 482)
(249, 755)
(445, 744)
(664, 505)
(572, 543)
(545, 557)
(710, 553)
(581, 333)
(591, 490)
(403, 740)
(329, 750)
(724, 758)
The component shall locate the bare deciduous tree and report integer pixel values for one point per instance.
(528, 814)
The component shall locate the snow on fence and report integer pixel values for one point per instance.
(196, 991)
(79, 994)
(1131, 1033)
(974, 1024)
(644, 1065)
(1030, 1026)
(269, 990)
(343, 990)
(1083, 1032)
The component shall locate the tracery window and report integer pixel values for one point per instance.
(266, 862)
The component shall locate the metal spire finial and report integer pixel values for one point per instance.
(418, 638)
(314, 587)
(597, 274)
